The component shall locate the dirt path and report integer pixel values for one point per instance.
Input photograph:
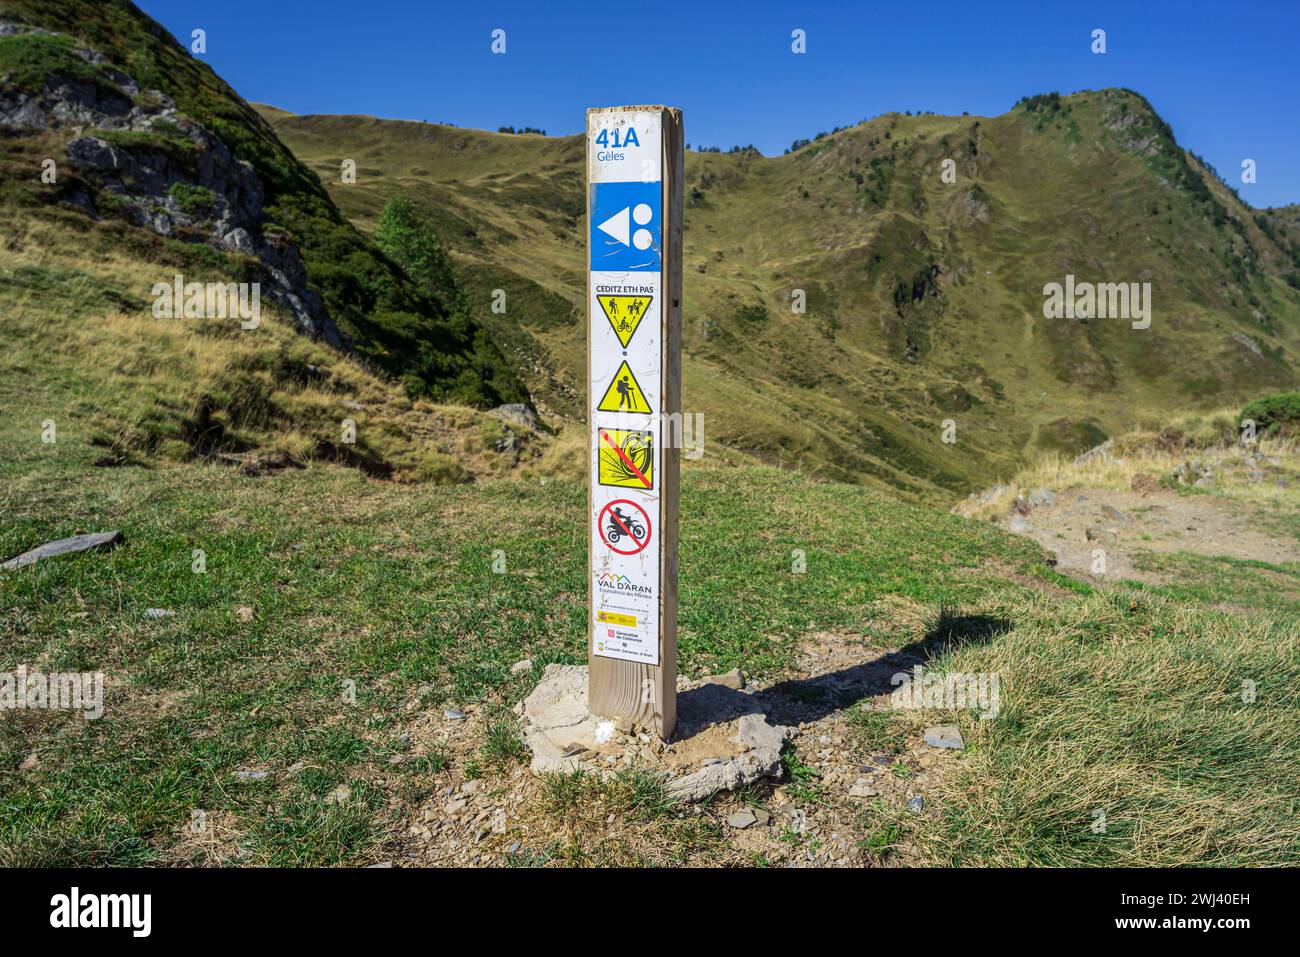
(1076, 523)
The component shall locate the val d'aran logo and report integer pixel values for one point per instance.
(608, 581)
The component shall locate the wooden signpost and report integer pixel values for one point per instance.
(635, 160)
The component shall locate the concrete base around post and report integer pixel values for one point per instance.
(723, 738)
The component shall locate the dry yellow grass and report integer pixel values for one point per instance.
(1126, 737)
(1143, 452)
(77, 315)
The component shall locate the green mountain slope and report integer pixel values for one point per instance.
(1128, 699)
(924, 297)
(410, 333)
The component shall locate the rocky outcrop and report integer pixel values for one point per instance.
(164, 172)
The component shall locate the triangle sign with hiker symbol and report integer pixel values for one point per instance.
(624, 393)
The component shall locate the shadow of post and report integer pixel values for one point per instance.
(810, 699)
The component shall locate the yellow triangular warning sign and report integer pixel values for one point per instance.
(625, 313)
(624, 393)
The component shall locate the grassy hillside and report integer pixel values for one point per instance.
(924, 298)
(409, 333)
(81, 349)
(234, 707)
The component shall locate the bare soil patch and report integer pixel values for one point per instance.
(1078, 522)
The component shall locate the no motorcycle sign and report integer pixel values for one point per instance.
(626, 532)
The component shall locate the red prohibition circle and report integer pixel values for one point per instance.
(600, 526)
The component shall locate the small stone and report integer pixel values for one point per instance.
(455, 807)
(339, 795)
(64, 546)
(742, 819)
(945, 736)
(244, 613)
(453, 714)
(159, 613)
(519, 667)
(1105, 536)
(513, 848)
(1018, 525)
(916, 804)
(252, 775)
(862, 789)
(762, 817)
(1114, 514)
(517, 413)
(734, 678)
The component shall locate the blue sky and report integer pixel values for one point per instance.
(1226, 76)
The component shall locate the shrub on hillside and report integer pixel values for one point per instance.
(1275, 413)
(193, 200)
(406, 234)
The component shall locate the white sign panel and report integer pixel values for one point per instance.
(625, 335)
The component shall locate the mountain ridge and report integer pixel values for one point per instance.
(405, 332)
(909, 280)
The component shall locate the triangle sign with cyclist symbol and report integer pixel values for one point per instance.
(625, 314)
